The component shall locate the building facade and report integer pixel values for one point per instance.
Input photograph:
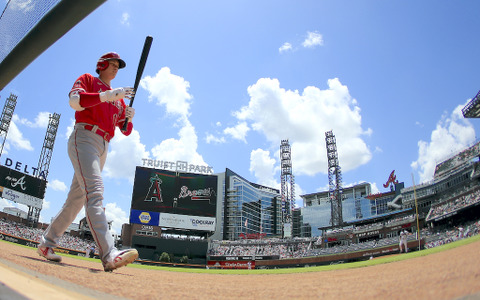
(249, 210)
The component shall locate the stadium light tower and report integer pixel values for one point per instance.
(287, 186)
(334, 180)
(6, 118)
(48, 143)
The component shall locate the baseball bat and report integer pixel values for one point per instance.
(141, 66)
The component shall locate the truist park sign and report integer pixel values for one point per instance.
(178, 166)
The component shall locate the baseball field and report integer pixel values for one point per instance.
(451, 271)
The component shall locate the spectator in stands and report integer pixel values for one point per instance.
(460, 232)
(92, 251)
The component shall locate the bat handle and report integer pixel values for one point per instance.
(125, 124)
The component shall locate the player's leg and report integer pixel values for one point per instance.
(89, 155)
(65, 217)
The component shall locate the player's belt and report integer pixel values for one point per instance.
(95, 129)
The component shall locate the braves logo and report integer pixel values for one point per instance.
(392, 179)
(21, 182)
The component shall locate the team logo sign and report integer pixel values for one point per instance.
(155, 191)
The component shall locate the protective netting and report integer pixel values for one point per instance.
(18, 18)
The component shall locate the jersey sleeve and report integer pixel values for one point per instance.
(84, 87)
(89, 99)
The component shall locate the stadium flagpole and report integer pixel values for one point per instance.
(416, 209)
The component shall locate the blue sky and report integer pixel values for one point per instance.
(226, 81)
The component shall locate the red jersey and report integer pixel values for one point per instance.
(106, 115)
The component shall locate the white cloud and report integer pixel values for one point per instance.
(266, 172)
(313, 39)
(304, 118)
(117, 215)
(41, 120)
(15, 138)
(374, 187)
(126, 19)
(452, 134)
(263, 167)
(45, 205)
(285, 47)
(238, 132)
(169, 90)
(57, 185)
(210, 138)
(126, 153)
(378, 150)
(184, 148)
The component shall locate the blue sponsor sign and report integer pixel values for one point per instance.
(144, 217)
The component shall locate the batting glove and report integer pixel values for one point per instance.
(130, 113)
(117, 94)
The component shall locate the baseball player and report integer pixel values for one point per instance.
(403, 240)
(400, 240)
(98, 110)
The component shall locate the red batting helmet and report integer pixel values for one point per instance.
(102, 62)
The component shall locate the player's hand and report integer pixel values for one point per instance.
(129, 93)
(117, 94)
(130, 113)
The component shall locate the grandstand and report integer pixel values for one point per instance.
(472, 109)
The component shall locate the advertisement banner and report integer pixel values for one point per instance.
(187, 222)
(231, 264)
(21, 198)
(144, 217)
(254, 257)
(174, 193)
(22, 183)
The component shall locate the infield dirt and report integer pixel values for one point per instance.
(450, 274)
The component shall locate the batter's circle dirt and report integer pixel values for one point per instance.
(446, 275)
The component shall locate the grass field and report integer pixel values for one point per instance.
(360, 264)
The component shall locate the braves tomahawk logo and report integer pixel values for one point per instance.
(392, 179)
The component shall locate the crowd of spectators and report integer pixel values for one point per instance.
(268, 248)
(34, 234)
(388, 223)
(307, 247)
(446, 237)
(283, 248)
(453, 205)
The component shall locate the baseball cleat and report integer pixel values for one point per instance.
(48, 253)
(119, 259)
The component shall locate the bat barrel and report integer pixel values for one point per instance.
(141, 67)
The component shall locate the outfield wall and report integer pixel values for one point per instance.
(242, 262)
